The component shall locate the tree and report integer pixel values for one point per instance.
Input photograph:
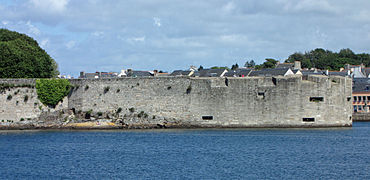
(270, 63)
(200, 68)
(235, 66)
(216, 67)
(250, 64)
(22, 57)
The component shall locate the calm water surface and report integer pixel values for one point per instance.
(340, 153)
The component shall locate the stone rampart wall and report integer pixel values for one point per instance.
(317, 101)
(217, 102)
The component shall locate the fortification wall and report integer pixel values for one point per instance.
(20, 105)
(315, 101)
(217, 102)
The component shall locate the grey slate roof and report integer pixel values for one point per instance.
(139, 74)
(295, 71)
(238, 73)
(361, 85)
(270, 72)
(285, 65)
(180, 73)
(366, 71)
(90, 75)
(338, 73)
(211, 72)
(312, 72)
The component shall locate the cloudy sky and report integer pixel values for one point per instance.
(108, 35)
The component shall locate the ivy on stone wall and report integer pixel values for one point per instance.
(52, 91)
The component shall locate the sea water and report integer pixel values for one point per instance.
(327, 153)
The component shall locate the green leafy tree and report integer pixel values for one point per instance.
(216, 67)
(325, 59)
(269, 63)
(250, 64)
(22, 57)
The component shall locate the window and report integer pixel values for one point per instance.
(354, 98)
(316, 99)
(207, 117)
(308, 119)
(364, 98)
(359, 98)
(368, 98)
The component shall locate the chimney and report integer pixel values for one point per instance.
(327, 72)
(297, 65)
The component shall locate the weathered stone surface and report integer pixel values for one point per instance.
(189, 102)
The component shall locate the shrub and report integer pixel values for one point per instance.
(100, 113)
(141, 114)
(52, 91)
(119, 110)
(22, 119)
(132, 109)
(118, 90)
(25, 98)
(106, 89)
(86, 87)
(88, 114)
(9, 97)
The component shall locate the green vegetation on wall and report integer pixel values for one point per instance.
(52, 91)
(22, 57)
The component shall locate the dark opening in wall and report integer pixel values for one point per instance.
(308, 119)
(261, 95)
(349, 98)
(274, 80)
(169, 87)
(316, 99)
(207, 117)
(188, 90)
(226, 82)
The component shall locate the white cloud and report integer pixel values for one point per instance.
(32, 29)
(70, 44)
(133, 40)
(309, 6)
(229, 7)
(50, 5)
(157, 21)
(97, 33)
(44, 43)
(4, 22)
